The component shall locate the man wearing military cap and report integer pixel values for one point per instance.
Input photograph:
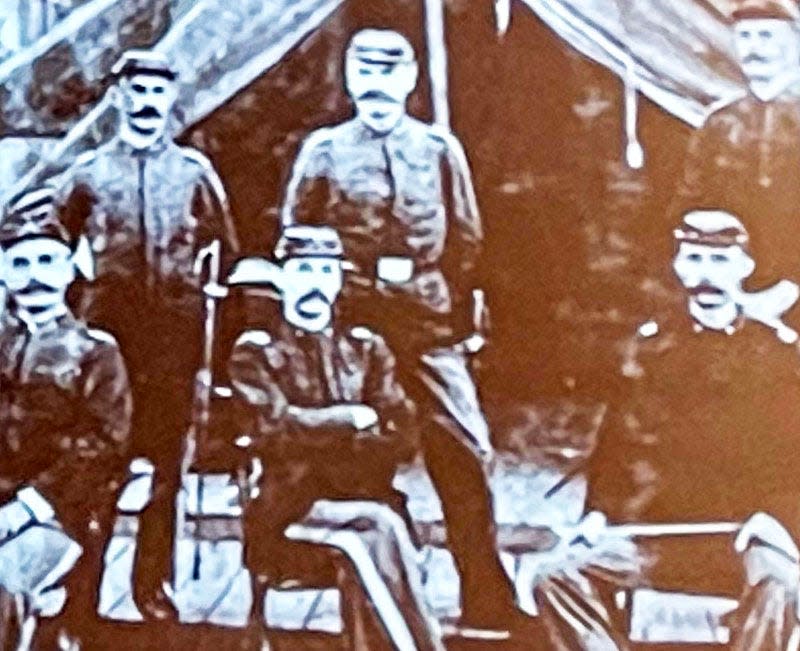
(745, 156)
(702, 427)
(65, 403)
(400, 194)
(152, 205)
(321, 401)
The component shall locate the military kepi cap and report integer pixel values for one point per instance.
(308, 242)
(32, 214)
(144, 62)
(712, 228)
(380, 46)
(771, 9)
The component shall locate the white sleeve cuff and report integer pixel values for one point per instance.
(39, 507)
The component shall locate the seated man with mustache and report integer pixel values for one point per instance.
(65, 402)
(703, 427)
(322, 401)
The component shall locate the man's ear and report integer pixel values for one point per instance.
(114, 95)
(410, 76)
(748, 264)
(83, 259)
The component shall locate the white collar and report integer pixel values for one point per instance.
(35, 323)
(772, 89)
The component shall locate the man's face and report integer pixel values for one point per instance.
(146, 103)
(37, 273)
(767, 48)
(310, 287)
(380, 91)
(712, 275)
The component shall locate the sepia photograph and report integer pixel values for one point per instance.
(399, 325)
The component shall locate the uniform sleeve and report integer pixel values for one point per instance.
(464, 231)
(621, 475)
(100, 442)
(308, 192)
(211, 208)
(385, 394)
(463, 206)
(261, 404)
(107, 394)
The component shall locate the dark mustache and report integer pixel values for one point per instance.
(754, 58)
(35, 286)
(377, 94)
(705, 289)
(146, 112)
(314, 294)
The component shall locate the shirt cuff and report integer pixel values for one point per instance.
(38, 506)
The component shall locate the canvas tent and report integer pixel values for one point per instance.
(679, 54)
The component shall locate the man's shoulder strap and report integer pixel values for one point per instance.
(101, 336)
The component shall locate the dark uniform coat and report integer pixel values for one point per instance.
(290, 367)
(151, 212)
(65, 414)
(704, 427)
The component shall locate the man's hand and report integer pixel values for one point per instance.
(591, 528)
(768, 552)
(362, 417)
(473, 344)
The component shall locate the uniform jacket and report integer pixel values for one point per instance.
(151, 212)
(408, 193)
(290, 367)
(703, 426)
(65, 411)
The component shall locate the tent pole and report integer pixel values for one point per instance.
(502, 13)
(437, 60)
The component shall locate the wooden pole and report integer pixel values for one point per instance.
(437, 60)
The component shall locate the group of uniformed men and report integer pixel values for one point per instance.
(332, 409)
(369, 363)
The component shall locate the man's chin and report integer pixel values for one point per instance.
(380, 125)
(316, 323)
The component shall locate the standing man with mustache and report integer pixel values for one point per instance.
(65, 404)
(746, 157)
(151, 206)
(399, 192)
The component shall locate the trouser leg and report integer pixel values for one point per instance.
(460, 482)
(453, 429)
(79, 618)
(163, 387)
(153, 563)
(287, 493)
